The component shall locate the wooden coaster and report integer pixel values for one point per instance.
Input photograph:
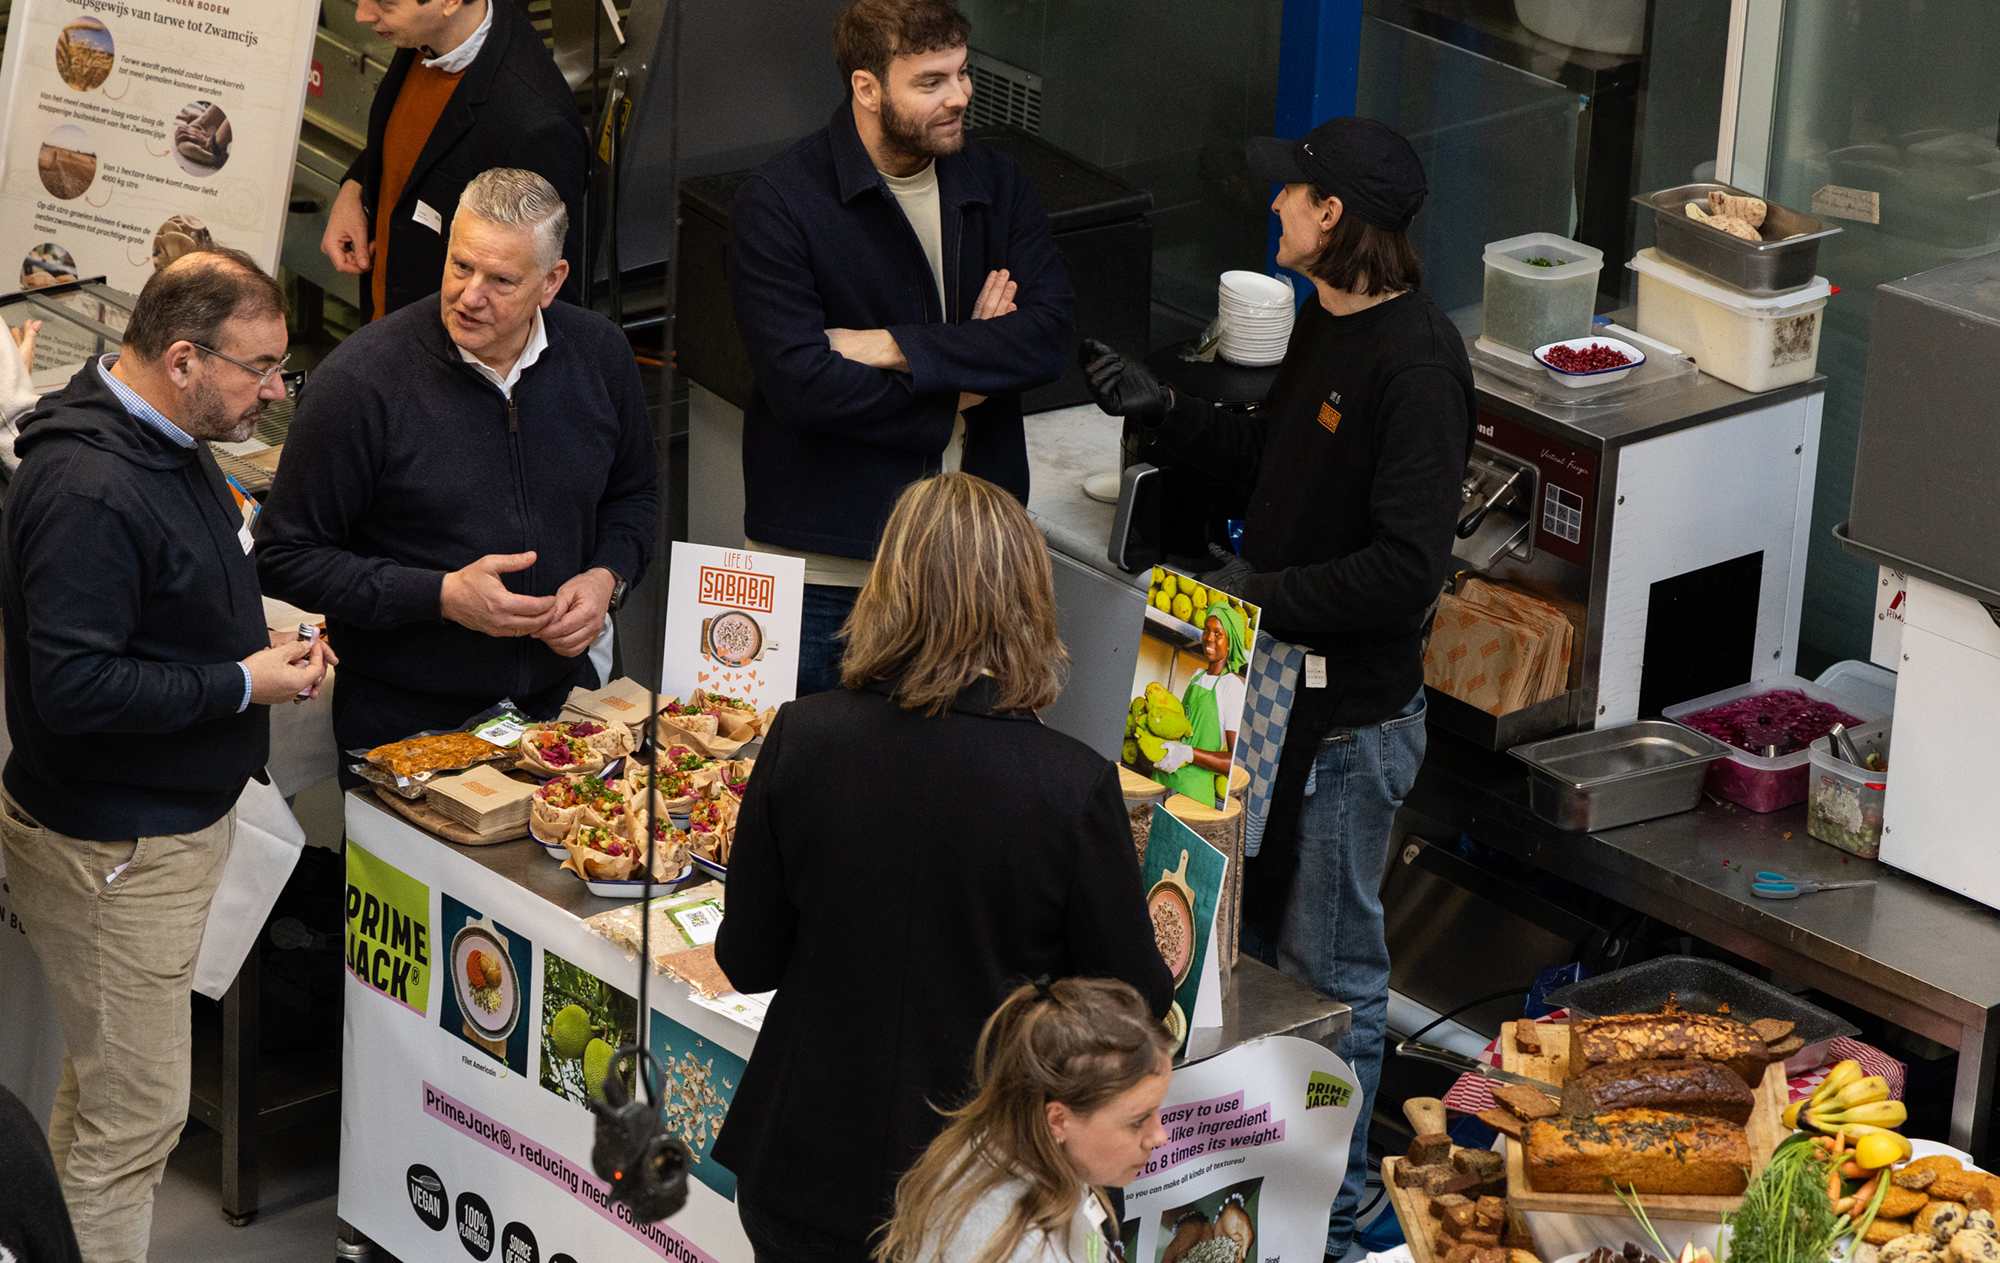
(498, 1049)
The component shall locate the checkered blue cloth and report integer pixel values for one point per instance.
(1267, 708)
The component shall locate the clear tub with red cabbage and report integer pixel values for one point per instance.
(1785, 711)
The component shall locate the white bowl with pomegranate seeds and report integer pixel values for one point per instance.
(1593, 361)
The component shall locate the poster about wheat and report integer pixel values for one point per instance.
(135, 132)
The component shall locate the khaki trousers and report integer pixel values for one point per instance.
(119, 949)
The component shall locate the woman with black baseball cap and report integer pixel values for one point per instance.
(1353, 473)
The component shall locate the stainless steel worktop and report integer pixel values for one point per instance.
(1911, 952)
(1066, 446)
(1261, 1002)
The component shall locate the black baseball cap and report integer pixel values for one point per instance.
(1367, 165)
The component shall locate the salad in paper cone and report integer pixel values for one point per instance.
(598, 854)
(712, 828)
(738, 719)
(684, 777)
(556, 749)
(554, 812)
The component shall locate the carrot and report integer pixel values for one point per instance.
(1853, 1170)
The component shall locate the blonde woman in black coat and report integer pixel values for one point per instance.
(912, 847)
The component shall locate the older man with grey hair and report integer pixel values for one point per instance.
(467, 490)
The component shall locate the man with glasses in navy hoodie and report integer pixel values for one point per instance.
(139, 680)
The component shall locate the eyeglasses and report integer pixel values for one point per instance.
(263, 375)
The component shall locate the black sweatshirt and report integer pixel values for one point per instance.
(404, 463)
(1353, 471)
(130, 603)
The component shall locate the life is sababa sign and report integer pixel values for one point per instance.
(732, 624)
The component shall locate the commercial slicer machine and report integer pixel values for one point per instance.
(1668, 515)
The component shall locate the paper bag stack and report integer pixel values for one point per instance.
(483, 799)
(1498, 649)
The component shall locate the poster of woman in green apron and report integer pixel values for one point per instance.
(1189, 688)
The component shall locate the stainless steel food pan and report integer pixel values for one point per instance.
(1780, 262)
(1614, 776)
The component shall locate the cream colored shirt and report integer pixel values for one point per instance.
(918, 196)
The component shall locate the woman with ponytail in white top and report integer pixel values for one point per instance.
(1070, 1079)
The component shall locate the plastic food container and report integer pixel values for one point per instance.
(1751, 780)
(1752, 343)
(1529, 305)
(1616, 776)
(1844, 802)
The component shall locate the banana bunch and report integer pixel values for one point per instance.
(1178, 595)
(1858, 1106)
(1154, 718)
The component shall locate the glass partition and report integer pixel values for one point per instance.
(1498, 146)
(1896, 102)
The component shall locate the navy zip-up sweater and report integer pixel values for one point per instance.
(816, 242)
(129, 603)
(404, 463)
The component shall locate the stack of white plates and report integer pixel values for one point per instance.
(1255, 313)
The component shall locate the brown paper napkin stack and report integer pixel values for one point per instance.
(1497, 649)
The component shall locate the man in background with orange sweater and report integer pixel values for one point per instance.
(473, 89)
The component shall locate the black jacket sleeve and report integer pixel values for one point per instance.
(1110, 935)
(80, 623)
(1413, 505)
(783, 323)
(625, 513)
(336, 442)
(1008, 354)
(754, 945)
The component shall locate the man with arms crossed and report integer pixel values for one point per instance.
(896, 289)
(468, 485)
(139, 673)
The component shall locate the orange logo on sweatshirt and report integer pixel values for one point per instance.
(1329, 418)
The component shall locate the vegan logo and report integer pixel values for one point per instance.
(517, 1245)
(475, 1225)
(427, 1197)
(1325, 1089)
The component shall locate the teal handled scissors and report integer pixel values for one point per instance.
(1779, 886)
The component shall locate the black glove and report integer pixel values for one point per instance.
(1232, 574)
(1122, 387)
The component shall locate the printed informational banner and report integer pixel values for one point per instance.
(478, 1014)
(1256, 1150)
(733, 624)
(135, 131)
(1188, 686)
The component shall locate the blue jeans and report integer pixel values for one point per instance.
(826, 607)
(1332, 936)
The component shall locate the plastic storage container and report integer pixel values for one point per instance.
(1528, 305)
(1751, 780)
(1752, 343)
(1844, 802)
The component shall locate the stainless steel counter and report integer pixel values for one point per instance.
(1906, 950)
(1262, 1002)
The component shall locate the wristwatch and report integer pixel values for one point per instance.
(618, 590)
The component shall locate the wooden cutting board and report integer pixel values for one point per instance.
(1413, 1212)
(1765, 1129)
